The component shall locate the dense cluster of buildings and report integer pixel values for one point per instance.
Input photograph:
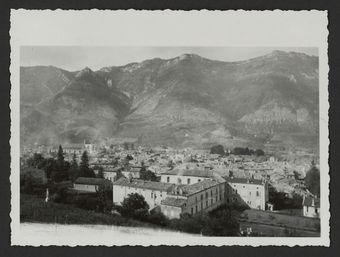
(189, 181)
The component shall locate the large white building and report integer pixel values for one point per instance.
(248, 192)
(200, 197)
(153, 192)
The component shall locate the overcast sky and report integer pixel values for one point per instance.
(74, 58)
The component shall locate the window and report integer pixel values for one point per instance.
(216, 198)
(196, 208)
(201, 205)
(168, 179)
(201, 197)
(151, 194)
(206, 194)
(179, 181)
(195, 199)
(257, 193)
(206, 203)
(199, 180)
(211, 193)
(192, 211)
(244, 187)
(216, 190)
(188, 181)
(212, 201)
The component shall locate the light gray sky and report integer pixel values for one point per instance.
(74, 58)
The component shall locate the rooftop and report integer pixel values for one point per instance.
(244, 181)
(197, 187)
(190, 172)
(311, 201)
(172, 201)
(136, 183)
(91, 181)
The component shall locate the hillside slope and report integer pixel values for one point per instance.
(193, 101)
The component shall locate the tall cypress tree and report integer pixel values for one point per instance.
(84, 163)
(60, 158)
(84, 168)
(74, 163)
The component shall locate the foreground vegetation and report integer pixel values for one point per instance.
(34, 209)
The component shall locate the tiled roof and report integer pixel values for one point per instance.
(244, 181)
(136, 183)
(195, 188)
(308, 201)
(190, 172)
(172, 201)
(92, 181)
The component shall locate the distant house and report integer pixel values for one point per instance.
(186, 176)
(91, 184)
(249, 192)
(153, 192)
(110, 175)
(311, 207)
(200, 197)
(131, 173)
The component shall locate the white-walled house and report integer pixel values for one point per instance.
(250, 192)
(110, 175)
(153, 192)
(91, 184)
(311, 207)
(186, 176)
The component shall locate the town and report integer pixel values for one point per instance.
(246, 192)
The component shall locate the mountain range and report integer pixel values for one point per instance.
(184, 101)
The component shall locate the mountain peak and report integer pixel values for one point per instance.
(189, 56)
(84, 72)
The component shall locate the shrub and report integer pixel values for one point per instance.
(135, 206)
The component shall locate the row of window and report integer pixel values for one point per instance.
(195, 208)
(179, 180)
(257, 192)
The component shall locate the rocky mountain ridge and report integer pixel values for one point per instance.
(184, 101)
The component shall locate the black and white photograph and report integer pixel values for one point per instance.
(149, 143)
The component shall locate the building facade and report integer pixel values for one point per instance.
(200, 197)
(311, 207)
(248, 192)
(153, 192)
(186, 176)
(91, 185)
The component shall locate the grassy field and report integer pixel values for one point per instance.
(34, 209)
(267, 223)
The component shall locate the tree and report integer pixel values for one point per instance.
(259, 152)
(100, 172)
(60, 158)
(36, 161)
(312, 180)
(147, 175)
(74, 168)
(84, 168)
(135, 206)
(49, 167)
(217, 149)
